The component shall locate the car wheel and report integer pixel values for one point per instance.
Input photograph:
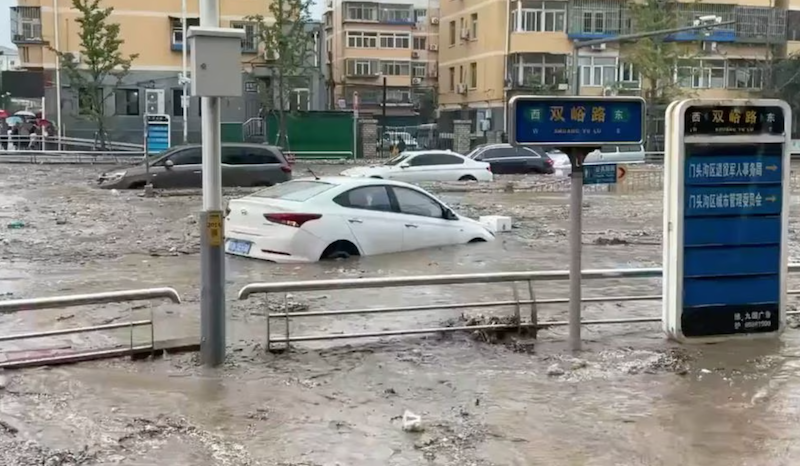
(340, 250)
(467, 178)
(376, 177)
(477, 240)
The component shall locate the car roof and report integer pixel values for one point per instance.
(431, 151)
(352, 182)
(228, 144)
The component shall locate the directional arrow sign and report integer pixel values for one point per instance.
(621, 172)
(771, 168)
(771, 198)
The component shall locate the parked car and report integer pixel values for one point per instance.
(561, 162)
(312, 219)
(390, 138)
(630, 153)
(426, 165)
(181, 167)
(506, 159)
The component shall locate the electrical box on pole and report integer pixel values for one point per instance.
(726, 201)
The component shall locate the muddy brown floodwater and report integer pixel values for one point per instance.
(630, 398)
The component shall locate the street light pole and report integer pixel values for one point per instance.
(576, 180)
(184, 80)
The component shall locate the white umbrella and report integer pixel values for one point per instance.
(25, 114)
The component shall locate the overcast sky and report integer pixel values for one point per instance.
(5, 35)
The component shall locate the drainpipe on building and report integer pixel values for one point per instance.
(57, 44)
(505, 66)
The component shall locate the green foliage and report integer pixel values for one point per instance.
(100, 60)
(288, 51)
(654, 58)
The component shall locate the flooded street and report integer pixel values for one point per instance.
(631, 398)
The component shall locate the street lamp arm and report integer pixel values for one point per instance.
(644, 35)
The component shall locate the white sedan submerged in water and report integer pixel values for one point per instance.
(426, 165)
(310, 219)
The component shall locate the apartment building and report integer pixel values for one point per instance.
(382, 47)
(491, 50)
(153, 29)
(9, 59)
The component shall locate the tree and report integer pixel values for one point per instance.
(99, 62)
(780, 79)
(653, 57)
(288, 50)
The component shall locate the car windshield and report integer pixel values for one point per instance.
(298, 191)
(397, 159)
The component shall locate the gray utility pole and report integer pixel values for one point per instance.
(577, 155)
(212, 254)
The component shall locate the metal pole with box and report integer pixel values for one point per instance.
(577, 125)
(216, 72)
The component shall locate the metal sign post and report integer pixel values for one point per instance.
(577, 125)
(726, 232)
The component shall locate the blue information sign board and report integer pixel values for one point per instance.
(575, 121)
(733, 230)
(600, 174)
(158, 128)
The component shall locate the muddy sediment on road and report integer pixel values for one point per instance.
(484, 398)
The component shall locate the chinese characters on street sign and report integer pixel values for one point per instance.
(733, 251)
(721, 120)
(575, 122)
(607, 173)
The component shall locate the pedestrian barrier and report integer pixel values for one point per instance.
(59, 302)
(510, 278)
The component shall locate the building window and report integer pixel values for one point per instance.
(540, 69)
(452, 76)
(701, 74)
(250, 41)
(177, 108)
(396, 68)
(473, 26)
(396, 15)
(363, 67)
(361, 12)
(177, 39)
(452, 34)
(461, 74)
(629, 75)
(420, 15)
(744, 74)
(594, 21)
(398, 96)
(598, 71)
(420, 43)
(362, 40)
(473, 75)
(540, 17)
(395, 41)
(88, 103)
(127, 102)
(418, 70)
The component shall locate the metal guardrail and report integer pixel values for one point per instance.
(460, 279)
(59, 302)
(72, 157)
(58, 143)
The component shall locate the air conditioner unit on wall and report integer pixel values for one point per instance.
(465, 34)
(415, 54)
(461, 88)
(434, 20)
(598, 47)
(416, 81)
(433, 47)
(154, 101)
(710, 47)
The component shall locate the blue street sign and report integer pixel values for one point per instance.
(575, 121)
(600, 174)
(733, 209)
(158, 128)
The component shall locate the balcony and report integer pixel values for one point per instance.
(757, 25)
(538, 73)
(26, 25)
(396, 15)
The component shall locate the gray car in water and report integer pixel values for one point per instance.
(182, 167)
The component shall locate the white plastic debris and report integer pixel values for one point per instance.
(496, 223)
(412, 422)
(114, 192)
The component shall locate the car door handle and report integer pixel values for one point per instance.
(355, 220)
(411, 225)
(198, 171)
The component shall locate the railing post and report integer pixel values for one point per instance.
(517, 310)
(286, 317)
(534, 310)
(266, 310)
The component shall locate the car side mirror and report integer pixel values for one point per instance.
(169, 164)
(404, 165)
(450, 215)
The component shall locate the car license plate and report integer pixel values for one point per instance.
(239, 247)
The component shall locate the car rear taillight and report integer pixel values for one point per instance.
(489, 167)
(549, 161)
(286, 168)
(291, 219)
